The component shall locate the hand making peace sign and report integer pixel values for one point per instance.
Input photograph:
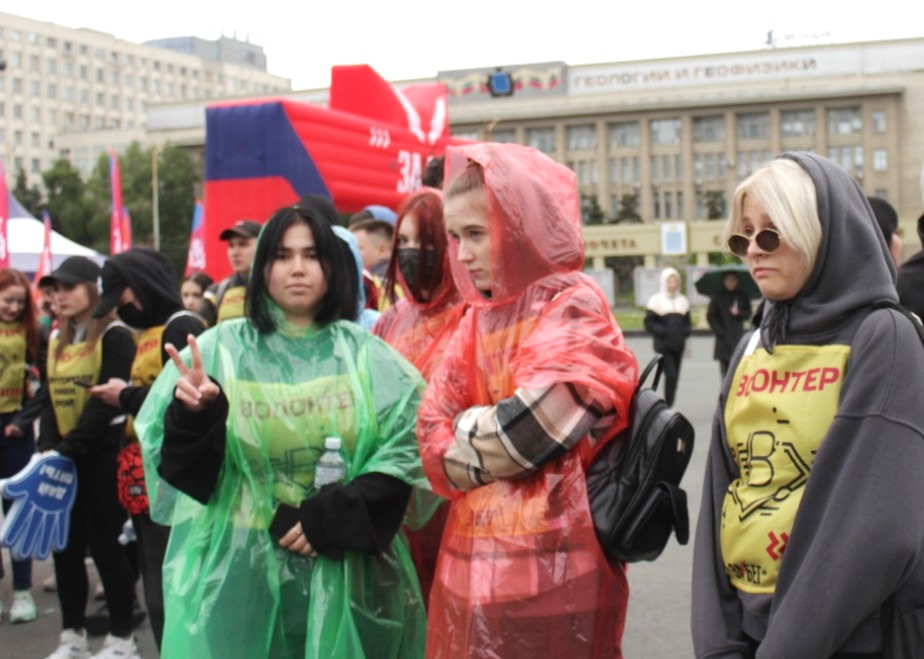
(194, 388)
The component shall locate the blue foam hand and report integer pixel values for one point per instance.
(39, 519)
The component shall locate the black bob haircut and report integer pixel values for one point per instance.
(341, 301)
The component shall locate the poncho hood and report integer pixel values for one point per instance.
(534, 218)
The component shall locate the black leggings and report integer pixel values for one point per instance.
(671, 361)
(152, 546)
(96, 522)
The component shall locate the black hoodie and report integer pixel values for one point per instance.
(857, 537)
(151, 277)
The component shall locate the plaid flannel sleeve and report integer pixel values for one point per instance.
(521, 433)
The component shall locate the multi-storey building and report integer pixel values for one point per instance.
(77, 92)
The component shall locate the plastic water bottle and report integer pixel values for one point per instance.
(331, 467)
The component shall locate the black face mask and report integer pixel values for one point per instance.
(409, 262)
(132, 315)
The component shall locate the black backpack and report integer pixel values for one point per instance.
(633, 483)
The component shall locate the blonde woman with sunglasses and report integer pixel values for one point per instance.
(810, 541)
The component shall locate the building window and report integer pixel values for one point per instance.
(848, 157)
(798, 123)
(629, 170)
(541, 138)
(624, 135)
(751, 161)
(844, 121)
(17, 85)
(753, 126)
(51, 90)
(99, 75)
(34, 63)
(51, 66)
(880, 160)
(507, 136)
(35, 88)
(878, 119)
(665, 131)
(582, 138)
(709, 129)
(100, 99)
(114, 102)
(36, 166)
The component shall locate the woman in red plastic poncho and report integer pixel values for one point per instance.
(420, 324)
(419, 327)
(534, 382)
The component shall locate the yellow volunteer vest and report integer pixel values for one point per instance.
(232, 303)
(12, 366)
(779, 409)
(146, 366)
(79, 361)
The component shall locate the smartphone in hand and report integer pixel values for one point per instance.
(86, 384)
(284, 519)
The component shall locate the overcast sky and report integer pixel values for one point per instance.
(408, 39)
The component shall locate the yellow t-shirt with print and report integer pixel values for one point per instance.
(76, 362)
(778, 410)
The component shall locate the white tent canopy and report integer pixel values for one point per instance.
(27, 238)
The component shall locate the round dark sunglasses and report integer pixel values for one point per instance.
(768, 240)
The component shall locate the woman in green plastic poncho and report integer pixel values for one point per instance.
(235, 430)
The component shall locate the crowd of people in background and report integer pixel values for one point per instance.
(376, 435)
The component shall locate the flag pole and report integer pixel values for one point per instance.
(155, 205)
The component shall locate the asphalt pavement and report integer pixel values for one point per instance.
(658, 625)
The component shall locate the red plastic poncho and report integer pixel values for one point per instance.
(420, 331)
(521, 573)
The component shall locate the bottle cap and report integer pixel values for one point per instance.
(332, 443)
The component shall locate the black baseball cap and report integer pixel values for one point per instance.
(73, 270)
(112, 285)
(241, 228)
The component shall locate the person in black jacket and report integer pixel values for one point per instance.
(667, 319)
(141, 284)
(911, 278)
(728, 310)
(84, 351)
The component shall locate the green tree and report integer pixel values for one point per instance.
(591, 213)
(715, 204)
(177, 178)
(66, 201)
(628, 209)
(29, 197)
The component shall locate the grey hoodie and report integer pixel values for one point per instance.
(857, 538)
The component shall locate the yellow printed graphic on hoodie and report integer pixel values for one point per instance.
(778, 410)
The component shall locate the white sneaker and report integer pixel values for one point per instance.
(23, 609)
(115, 647)
(71, 646)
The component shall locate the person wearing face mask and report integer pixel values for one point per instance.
(419, 326)
(141, 285)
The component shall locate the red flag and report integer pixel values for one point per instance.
(126, 229)
(44, 266)
(117, 242)
(195, 257)
(4, 219)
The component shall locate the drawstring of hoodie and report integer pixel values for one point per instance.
(775, 324)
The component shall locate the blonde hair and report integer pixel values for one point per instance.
(787, 194)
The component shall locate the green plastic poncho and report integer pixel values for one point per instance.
(229, 589)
